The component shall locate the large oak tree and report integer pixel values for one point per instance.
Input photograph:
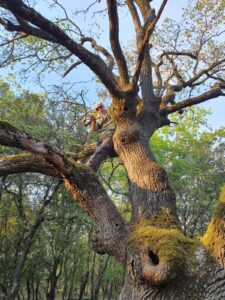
(159, 260)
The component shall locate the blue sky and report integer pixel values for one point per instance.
(172, 10)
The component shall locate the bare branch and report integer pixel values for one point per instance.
(158, 76)
(176, 73)
(100, 49)
(94, 62)
(147, 31)
(17, 37)
(168, 98)
(177, 53)
(215, 77)
(215, 92)
(114, 40)
(204, 72)
(14, 137)
(145, 9)
(9, 26)
(134, 14)
(196, 80)
(77, 63)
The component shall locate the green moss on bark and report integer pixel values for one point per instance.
(163, 237)
(8, 126)
(214, 238)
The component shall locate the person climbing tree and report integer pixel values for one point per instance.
(102, 123)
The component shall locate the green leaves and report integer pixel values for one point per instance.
(193, 156)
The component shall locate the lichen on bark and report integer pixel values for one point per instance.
(8, 126)
(214, 238)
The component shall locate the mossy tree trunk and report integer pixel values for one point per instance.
(160, 262)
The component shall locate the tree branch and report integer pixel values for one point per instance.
(176, 73)
(134, 14)
(159, 78)
(9, 26)
(168, 98)
(145, 9)
(83, 152)
(147, 31)
(177, 53)
(192, 82)
(114, 40)
(93, 61)
(215, 92)
(204, 72)
(24, 163)
(101, 49)
(81, 182)
(74, 65)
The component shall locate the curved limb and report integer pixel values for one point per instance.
(81, 182)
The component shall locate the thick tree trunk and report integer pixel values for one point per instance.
(205, 283)
(161, 262)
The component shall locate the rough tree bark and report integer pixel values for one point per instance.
(160, 261)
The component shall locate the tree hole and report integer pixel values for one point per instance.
(153, 257)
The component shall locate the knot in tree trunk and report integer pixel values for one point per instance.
(162, 249)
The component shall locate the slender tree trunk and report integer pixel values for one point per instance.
(86, 277)
(28, 289)
(104, 289)
(83, 285)
(33, 288)
(100, 277)
(65, 289)
(71, 288)
(22, 259)
(53, 280)
(37, 290)
(93, 277)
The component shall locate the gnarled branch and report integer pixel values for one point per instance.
(27, 29)
(93, 61)
(81, 182)
(115, 43)
(215, 92)
(101, 49)
(134, 14)
(147, 31)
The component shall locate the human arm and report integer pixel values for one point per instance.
(93, 123)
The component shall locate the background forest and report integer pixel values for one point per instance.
(44, 236)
